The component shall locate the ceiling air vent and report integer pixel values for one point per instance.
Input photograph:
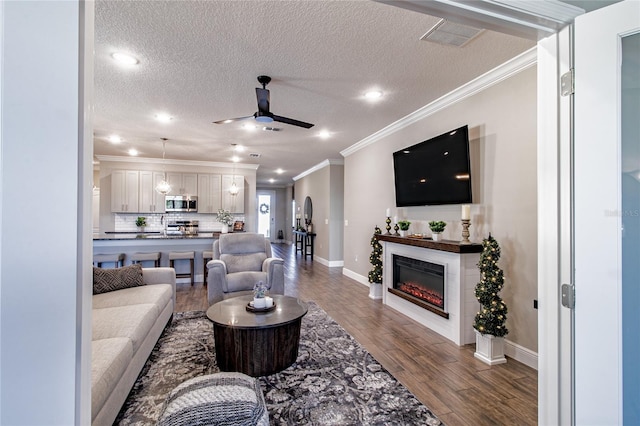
(445, 32)
(273, 129)
(254, 155)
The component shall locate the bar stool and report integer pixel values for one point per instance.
(206, 256)
(146, 257)
(182, 255)
(116, 258)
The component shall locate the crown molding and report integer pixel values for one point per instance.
(508, 69)
(119, 159)
(321, 165)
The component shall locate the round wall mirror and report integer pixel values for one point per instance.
(308, 210)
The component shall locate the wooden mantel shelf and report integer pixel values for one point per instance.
(445, 245)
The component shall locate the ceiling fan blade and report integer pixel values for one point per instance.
(292, 122)
(263, 99)
(231, 120)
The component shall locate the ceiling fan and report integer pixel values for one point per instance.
(263, 115)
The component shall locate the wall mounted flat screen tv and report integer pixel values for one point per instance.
(436, 171)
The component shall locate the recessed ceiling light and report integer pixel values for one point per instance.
(249, 127)
(115, 139)
(279, 171)
(133, 152)
(164, 118)
(238, 148)
(235, 158)
(124, 58)
(373, 95)
(272, 180)
(324, 134)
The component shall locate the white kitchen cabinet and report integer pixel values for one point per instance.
(183, 183)
(124, 191)
(150, 201)
(209, 193)
(233, 203)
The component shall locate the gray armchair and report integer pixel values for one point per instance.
(240, 260)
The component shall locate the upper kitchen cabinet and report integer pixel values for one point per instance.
(150, 201)
(233, 203)
(183, 183)
(124, 191)
(209, 193)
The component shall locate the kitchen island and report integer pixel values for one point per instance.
(135, 242)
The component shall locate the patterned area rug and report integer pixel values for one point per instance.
(334, 381)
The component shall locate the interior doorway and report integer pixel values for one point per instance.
(266, 213)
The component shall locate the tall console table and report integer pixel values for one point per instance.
(304, 242)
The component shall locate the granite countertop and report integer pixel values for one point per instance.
(152, 236)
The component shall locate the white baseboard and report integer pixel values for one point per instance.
(355, 276)
(330, 264)
(521, 354)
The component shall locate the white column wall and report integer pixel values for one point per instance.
(43, 341)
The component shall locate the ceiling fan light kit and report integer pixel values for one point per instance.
(264, 115)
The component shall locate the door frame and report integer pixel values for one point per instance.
(598, 338)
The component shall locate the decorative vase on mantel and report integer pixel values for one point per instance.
(436, 236)
(489, 349)
(225, 228)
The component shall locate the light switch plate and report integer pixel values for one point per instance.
(326, 221)
(346, 222)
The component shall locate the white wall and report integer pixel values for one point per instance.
(324, 184)
(44, 339)
(502, 127)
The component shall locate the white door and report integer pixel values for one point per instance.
(607, 215)
(266, 214)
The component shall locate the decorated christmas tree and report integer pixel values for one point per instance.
(493, 312)
(375, 275)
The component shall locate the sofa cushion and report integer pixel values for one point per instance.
(105, 280)
(109, 360)
(157, 294)
(243, 262)
(133, 322)
(217, 399)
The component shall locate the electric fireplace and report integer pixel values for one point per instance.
(420, 282)
(443, 298)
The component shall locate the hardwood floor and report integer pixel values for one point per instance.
(457, 388)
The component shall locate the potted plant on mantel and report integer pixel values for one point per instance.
(404, 227)
(490, 320)
(437, 227)
(375, 275)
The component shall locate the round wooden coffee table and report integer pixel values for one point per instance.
(256, 343)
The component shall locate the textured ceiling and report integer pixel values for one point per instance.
(199, 62)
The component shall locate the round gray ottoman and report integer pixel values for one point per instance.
(216, 399)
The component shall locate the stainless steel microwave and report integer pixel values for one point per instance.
(181, 203)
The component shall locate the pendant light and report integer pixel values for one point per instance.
(163, 186)
(233, 190)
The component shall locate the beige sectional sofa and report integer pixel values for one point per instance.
(126, 326)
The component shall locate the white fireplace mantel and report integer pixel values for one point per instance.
(462, 275)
